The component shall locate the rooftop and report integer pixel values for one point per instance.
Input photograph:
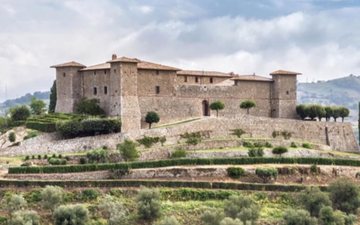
(252, 78)
(284, 72)
(69, 64)
(204, 73)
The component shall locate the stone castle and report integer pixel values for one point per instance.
(129, 88)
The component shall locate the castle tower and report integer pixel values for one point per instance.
(68, 86)
(123, 92)
(283, 96)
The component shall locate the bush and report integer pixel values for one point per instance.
(345, 195)
(306, 145)
(162, 140)
(19, 113)
(152, 117)
(217, 105)
(37, 106)
(296, 217)
(212, 217)
(128, 150)
(178, 153)
(97, 156)
(89, 107)
(256, 152)
(243, 208)
(328, 216)
(148, 141)
(27, 158)
(313, 199)
(235, 172)
(89, 194)
(314, 169)
(148, 204)
(230, 221)
(25, 217)
(69, 129)
(15, 203)
(39, 156)
(114, 211)
(266, 174)
(71, 214)
(55, 161)
(279, 150)
(169, 221)
(268, 145)
(83, 160)
(12, 137)
(238, 132)
(248, 104)
(52, 196)
(293, 145)
(192, 138)
(248, 144)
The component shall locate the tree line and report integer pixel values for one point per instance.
(315, 111)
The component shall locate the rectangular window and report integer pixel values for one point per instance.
(95, 91)
(211, 80)
(105, 90)
(157, 89)
(157, 72)
(196, 80)
(185, 78)
(95, 72)
(105, 71)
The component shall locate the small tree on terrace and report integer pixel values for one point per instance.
(328, 112)
(300, 110)
(344, 112)
(37, 106)
(311, 111)
(152, 117)
(217, 105)
(336, 112)
(320, 112)
(248, 104)
(19, 113)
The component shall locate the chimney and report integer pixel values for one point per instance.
(114, 56)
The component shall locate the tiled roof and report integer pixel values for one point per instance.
(124, 59)
(203, 73)
(154, 66)
(251, 78)
(68, 64)
(284, 72)
(102, 66)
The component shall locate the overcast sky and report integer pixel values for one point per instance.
(320, 38)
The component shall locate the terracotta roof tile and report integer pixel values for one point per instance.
(68, 64)
(284, 72)
(203, 73)
(124, 59)
(251, 78)
(149, 65)
(102, 66)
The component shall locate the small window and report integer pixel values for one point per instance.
(185, 78)
(64, 74)
(114, 70)
(287, 92)
(196, 80)
(95, 91)
(157, 89)
(105, 71)
(95, 72)
(157, 72)
(105, 90)
(211, 80)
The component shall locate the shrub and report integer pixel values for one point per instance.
(52, 196)
(293, 145)
(55, 161)
(295, 217)
(266, 174)
(15, 203)
(230, 221)
(89, 107)
(286, 134)
(235, 172)
(328, 216)
(243, 208)
(114, 211)
(162, 140)
(169, 221)
(256, 152)
(238, 132)
(248, 144)
(12, 137)
(27, 158)
(128, 150)
(148, 141)
(192, 138)
(83, 160)
(217, 105)
(19, 113)
(97, 156)
(344, 112)
(39, 156)
(313, 199)
(37, 106)
(69, 129)
(178, 153)
(314, 169)
(212, 217)
(148, 204)
(268, 145)
(279, 150)
(25, 217)
(248, 104)
(345, 195)
(89, 194)
(306, 145)
(152, 117)
(31, 134)
(71, 214)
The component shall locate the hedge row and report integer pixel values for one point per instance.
(41, 126)
(155, 183)
(182, 161)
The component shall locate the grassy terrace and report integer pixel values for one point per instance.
(184, 161)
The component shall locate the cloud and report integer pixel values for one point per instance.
(321, 40)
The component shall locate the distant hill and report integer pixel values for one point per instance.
(343, 91)
(23, 100)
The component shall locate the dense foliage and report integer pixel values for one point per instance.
(19, 113)
(71, 215)
(53, 98)
(89, 107)
(148, 204)
(248, 104)
(319, 112)
(37, 106)
(235, 172)
(152, 117)
(128, 150)
(279, 150)
(217, 105)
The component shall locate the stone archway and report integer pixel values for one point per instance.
(205, 108)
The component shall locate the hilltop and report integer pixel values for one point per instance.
(23, 100)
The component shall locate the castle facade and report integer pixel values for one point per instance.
(129, 88)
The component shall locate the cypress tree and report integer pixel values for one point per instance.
(53, 99)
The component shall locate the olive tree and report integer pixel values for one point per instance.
(212, 217)
(128, 150)
(37, 106)
(15, 202)
(231, 221)
(313, 199)
(148, 204)
(152, 117)
(169, 221)
(242, 208)
(345, 195)
(296, 217)
(248, 104)
(217, 105)
(71, 215)
(52, 196)
(113, 211)
(25, 217)
(19, 113)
